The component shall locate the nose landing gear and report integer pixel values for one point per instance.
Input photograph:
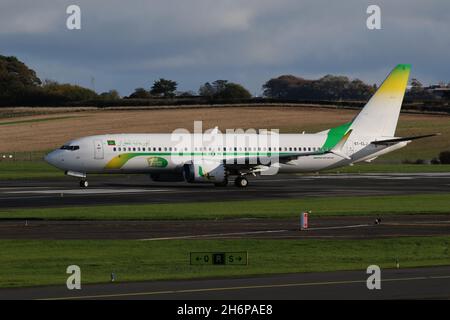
(84, 184)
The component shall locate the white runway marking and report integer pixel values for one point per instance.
(215, 235)
(341, 227)
(252, 233)
(87, 191)
(383, 177)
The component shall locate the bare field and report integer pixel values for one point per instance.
(54, 126)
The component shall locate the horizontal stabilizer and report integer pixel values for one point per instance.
(397, 140)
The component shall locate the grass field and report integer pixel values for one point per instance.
(288, 208)
(37, 132)
(28, 170)
(10, 123)
(31, 262)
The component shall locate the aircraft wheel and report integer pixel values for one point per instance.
(241, 182)
(84, 184)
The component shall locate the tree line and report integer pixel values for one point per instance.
(19, 85)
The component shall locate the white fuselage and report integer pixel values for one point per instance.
(149, 153)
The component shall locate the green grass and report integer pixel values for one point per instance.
(11, 170)
(428, 148)
(288, 208)
(33, 262)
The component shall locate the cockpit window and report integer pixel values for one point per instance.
(71, 148)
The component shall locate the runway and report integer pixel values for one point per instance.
(342, 227)
(417, 283)
(110, 190)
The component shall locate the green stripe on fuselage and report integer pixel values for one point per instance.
(119, 161)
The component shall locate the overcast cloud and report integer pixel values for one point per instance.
(128, 44)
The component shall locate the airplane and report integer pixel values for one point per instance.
(369, 135)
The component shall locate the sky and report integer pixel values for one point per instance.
(124, 45)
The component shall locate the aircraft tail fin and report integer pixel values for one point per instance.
(379, 116)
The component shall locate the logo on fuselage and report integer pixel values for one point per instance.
(157, 162)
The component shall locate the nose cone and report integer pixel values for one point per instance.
(51, 158)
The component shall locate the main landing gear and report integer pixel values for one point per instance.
(84, 184)
(241, 182)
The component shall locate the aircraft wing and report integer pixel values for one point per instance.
(249, 161)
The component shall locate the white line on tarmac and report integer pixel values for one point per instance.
(341, 227)
(87, 191)
(251, 233)
(247, 287)
(215, 235)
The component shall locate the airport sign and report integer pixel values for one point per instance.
(219, 258)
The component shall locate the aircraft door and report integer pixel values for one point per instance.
(98, 149)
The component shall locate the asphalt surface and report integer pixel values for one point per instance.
(319, 228)
(421, 283)
(109, 190)
(417, 283)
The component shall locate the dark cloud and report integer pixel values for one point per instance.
(128, 44)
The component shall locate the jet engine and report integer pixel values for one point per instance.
(205, 171)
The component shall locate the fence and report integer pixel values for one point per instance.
(22, 156)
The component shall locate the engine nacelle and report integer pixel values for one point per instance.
(205, 171)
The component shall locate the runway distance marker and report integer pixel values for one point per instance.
(219, 258)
